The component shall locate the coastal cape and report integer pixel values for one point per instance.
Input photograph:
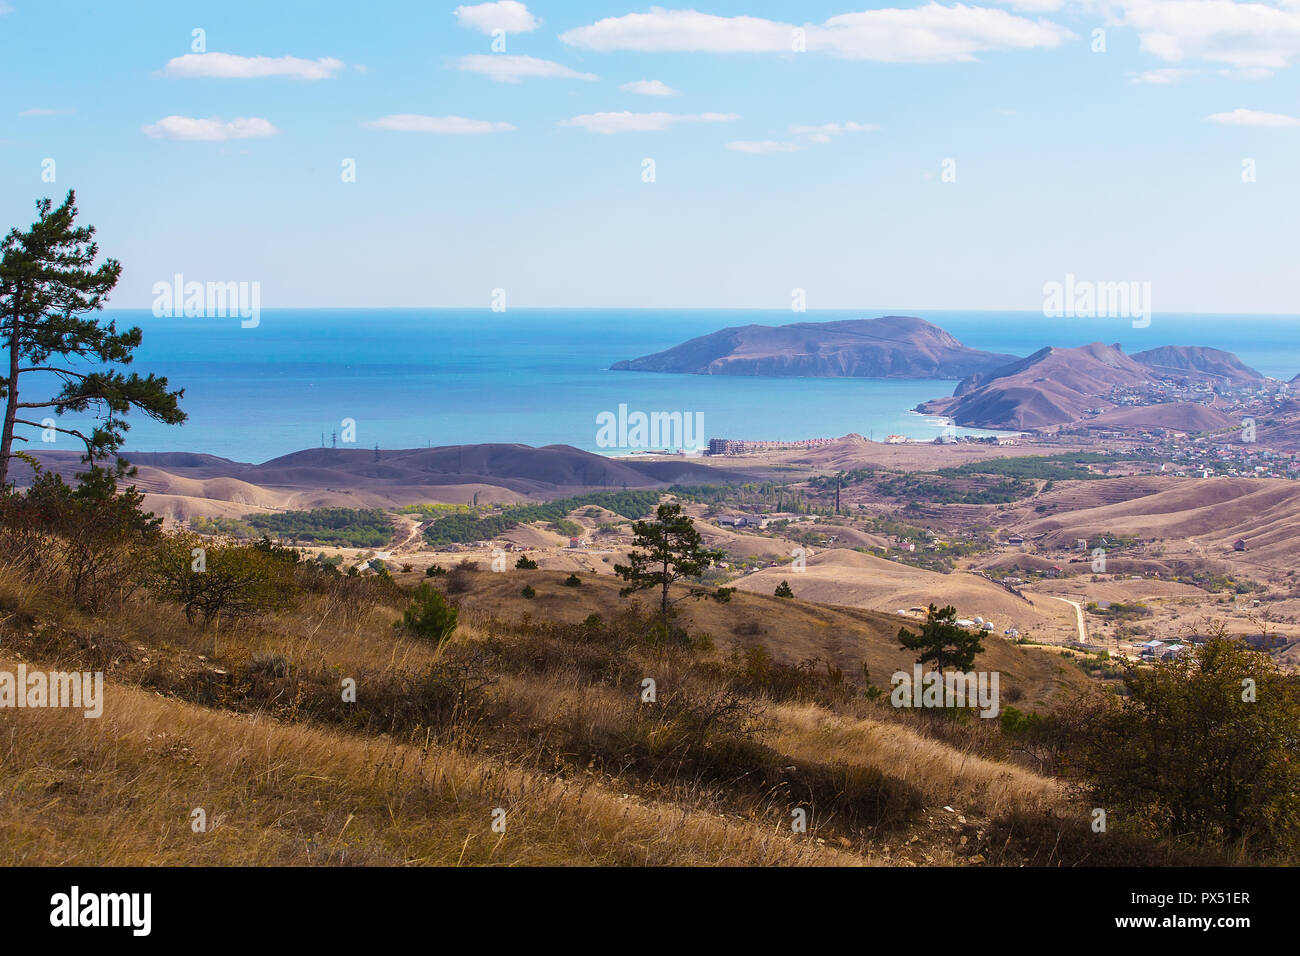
(1050, 388)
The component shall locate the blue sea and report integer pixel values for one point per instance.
(425, 377)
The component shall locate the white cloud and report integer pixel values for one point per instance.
(1175, 74)
(670, 31)
(1246, 34)
(627, 122)
(512, 69)
(649, 88)
(228, 66)
(763, 146)
(1240, 117)
(824, 132)
(1249, 74)
(1033, 6)
(933, 34)
(415, 123)
(930, 33)
(43, 111)
(510, 16)
(803, 135)
(1164, 77)
(211, 130)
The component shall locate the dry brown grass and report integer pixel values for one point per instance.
(120, 790)
(586, 775)
(943, 774)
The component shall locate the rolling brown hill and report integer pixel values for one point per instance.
(851, 578)
(1209, 513)
(792, 630)
(181, 485)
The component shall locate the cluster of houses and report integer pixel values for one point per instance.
(1159, 650)
(1162, 651)
(757, 521)
(979, 624)
(743, 521)
(950, 439)
(1235, 460)
(735, 446)
(973, 623)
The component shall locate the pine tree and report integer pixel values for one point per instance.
(48, 286)
(942, 641)
(674, 550)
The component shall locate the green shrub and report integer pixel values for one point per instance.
(1204, 746)
(429, 616)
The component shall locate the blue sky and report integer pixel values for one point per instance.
(821, 169)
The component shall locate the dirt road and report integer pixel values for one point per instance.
(1078, 614)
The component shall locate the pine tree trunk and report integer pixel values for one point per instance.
(664, 603)
(11, 403)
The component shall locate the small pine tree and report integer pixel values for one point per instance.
(673, 550)
(783, 590)
(528, 592)
(942, 642)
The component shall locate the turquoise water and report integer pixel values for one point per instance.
(411, 377)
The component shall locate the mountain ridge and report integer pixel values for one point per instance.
(1056, 386)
